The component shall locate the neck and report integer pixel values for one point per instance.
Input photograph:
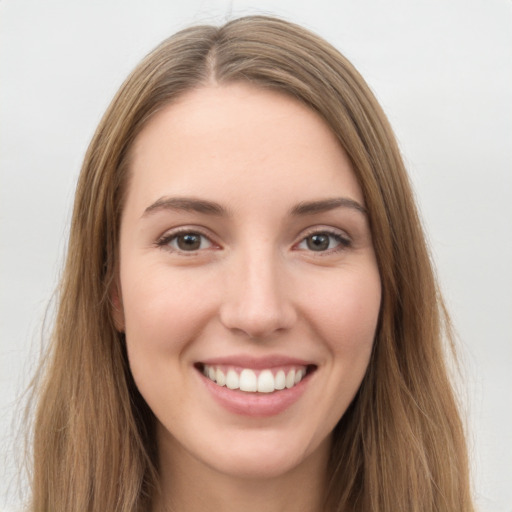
(187, 485)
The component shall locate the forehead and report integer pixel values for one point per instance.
(241, 139)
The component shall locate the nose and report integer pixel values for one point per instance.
(257, 300)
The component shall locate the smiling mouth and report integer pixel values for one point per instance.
(255, 381)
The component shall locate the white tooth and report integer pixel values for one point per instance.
(232, 381)
(211, 373)
(298, 376)
(290, 379)
(205, 371)
(280, 380)
(266, 382)
(248, 380)
(220, 377)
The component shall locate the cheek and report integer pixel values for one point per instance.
(345, 311)
(163, 313)
(163, 309)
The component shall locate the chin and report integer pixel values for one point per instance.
(268, 459)
(256, 467)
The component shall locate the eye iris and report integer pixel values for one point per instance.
(189, 242)
(318, 242)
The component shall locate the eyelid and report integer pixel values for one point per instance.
(164, 240)
(342, 236)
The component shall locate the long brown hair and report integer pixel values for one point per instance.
(400, 445)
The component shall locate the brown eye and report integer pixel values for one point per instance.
(318, 242)
(323, 241)
(187, 242)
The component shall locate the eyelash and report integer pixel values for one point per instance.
(165, 241)
(343, 241)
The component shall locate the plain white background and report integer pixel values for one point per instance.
(442, 70)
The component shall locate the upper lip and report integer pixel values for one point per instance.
(255, 363)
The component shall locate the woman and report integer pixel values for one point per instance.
(248, 315)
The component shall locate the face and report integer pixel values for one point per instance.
(248, 286)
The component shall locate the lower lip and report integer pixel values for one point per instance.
(258, 405)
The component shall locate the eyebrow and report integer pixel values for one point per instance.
(324, 205)
(189, 204)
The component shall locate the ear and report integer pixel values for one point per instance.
(116, 303)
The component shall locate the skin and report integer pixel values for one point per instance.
(253, 286)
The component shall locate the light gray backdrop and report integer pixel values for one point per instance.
(442, 70)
